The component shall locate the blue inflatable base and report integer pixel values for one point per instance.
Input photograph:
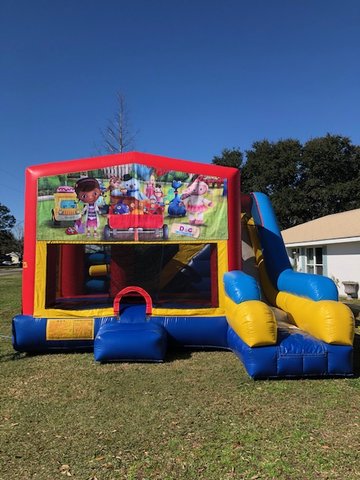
(29, 333)
(140, 342)
(296, 354)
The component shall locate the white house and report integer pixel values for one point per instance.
(328, 246)
(11, 258)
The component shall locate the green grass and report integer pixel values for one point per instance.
(197, 416)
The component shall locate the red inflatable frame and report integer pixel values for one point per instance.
(232, 176)
(138, 291)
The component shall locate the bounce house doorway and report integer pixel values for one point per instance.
(175, 275)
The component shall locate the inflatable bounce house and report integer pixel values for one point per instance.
(131, 254)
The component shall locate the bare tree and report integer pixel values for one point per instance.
(118, 136)
(18, 232)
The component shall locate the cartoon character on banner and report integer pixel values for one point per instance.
(116, 189)
(103, 202)
(134, 198)
(153, 207)
(150, 187)
(88, 191)
(132, 187)
(176, 206)
(159, 194)
(195, 202)
(121, 208)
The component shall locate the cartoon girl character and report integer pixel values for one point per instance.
(159, 194)
(195, 202)
(150, 187)
(88, 191)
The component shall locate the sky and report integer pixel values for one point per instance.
(198, 76)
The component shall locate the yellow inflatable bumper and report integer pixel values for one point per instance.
(327, 320)
(253, 321)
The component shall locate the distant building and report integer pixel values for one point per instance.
(11, 258)
(327, 246)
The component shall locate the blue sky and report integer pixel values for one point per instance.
(198, 76)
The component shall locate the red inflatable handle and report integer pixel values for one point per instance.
(138, 290)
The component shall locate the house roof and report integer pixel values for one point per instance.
(342, 225)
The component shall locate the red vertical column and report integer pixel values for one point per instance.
(121, 268)
(52, 257)
(234, 223)
(72, 260)
(214, 276)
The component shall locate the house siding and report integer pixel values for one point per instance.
(343, 263)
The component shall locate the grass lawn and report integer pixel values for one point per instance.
(197, 416)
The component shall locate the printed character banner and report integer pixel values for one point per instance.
(131, 202)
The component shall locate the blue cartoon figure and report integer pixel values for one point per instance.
(132, 187)
(121, 208)
(176, 206)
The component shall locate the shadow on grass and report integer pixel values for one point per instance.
(174, 354)
(355, 308)
(10, 357)
(13, 356)
(357, 355)
(178, 354)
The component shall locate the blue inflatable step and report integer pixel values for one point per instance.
(132, 313)
(130, 342)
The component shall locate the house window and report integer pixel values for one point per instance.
(314, 260)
